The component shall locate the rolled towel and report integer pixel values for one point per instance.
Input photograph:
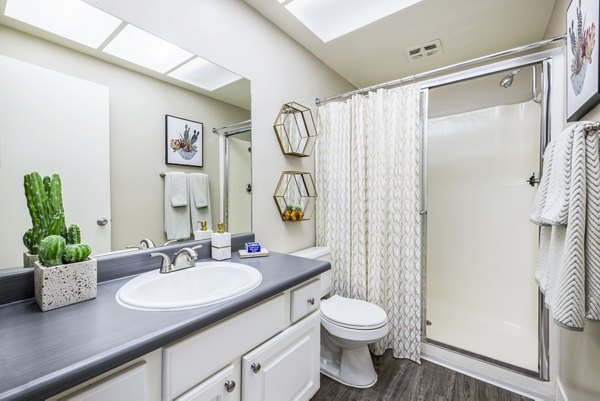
(179, 189)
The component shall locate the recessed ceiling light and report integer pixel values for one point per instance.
(142, 48)
(334, 18)
(71, 19)
(204, 74)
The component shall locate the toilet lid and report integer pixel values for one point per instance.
(353, 312)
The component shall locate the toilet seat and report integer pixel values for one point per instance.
(353, 319)
(353, 313)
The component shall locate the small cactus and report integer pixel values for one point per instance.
(73, 234)
(76, 253)
(52, 249)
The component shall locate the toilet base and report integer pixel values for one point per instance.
(346, 361)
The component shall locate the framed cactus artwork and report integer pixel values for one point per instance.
(583, 68)
(183, 141)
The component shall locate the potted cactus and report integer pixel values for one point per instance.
(287, 213)
(64, 274)
(44, 201)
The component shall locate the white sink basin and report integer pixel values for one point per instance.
(205, 284)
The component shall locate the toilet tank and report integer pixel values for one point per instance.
(319, 253)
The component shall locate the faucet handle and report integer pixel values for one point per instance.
(166, 261)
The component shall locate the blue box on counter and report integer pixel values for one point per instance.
(252, 247)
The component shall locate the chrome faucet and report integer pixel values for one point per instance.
(172, 241)
(184, 258)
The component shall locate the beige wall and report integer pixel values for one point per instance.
(137, 109)
(579, 352)
(233, 35)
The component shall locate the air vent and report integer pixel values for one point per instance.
(425, 50)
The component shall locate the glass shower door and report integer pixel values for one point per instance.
(481, 248)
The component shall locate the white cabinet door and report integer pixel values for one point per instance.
(285, 368)
(222, 386)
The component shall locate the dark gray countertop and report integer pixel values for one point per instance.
(44, 353)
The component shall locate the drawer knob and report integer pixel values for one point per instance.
(229, 385)
(255, 367)
(311, 301)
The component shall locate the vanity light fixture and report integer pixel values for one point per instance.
(204, 74)
(70, 19)
(142, 48)
(334, 18)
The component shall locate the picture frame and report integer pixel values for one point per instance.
(184, 141)
(582, 61)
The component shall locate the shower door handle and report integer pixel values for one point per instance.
(532, 180)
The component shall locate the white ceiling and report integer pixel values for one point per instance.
(466, 28)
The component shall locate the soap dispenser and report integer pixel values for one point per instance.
(221, 243)
(203, 233)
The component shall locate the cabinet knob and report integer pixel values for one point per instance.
(311, 301)
(102, 221)
(255, 367)
(229, 385)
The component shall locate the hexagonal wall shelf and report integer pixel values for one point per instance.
(295, 196)
(295, 130)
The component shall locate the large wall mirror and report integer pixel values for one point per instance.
(87, 109)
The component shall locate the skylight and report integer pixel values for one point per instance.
(71, 19)
(142, 48)
(204, 74)
(334, 18)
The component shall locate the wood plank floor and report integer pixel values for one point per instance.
(403, 380)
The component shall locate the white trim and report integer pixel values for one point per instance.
(500, 377)
(560, 395)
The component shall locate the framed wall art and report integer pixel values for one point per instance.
(583, 83)
(183, 141)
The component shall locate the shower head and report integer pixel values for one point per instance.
(507, 81)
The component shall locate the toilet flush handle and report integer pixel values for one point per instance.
(311, 301)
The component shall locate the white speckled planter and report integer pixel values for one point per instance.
(63, 285)
(29, 259)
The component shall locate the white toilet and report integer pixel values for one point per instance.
(349, 326)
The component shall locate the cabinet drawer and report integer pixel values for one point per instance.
(222, 386)
(285, 368)
(129, 384)
(193, 359)
(305, 299)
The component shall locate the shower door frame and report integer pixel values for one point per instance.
(544, 58)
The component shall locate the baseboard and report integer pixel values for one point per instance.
(560, 392)
(499, 377)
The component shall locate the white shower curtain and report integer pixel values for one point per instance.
(368, 207)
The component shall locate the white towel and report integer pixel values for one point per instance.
(567, 205)
(198, 184)
(179, 189)
(199, 199)
(177, 219)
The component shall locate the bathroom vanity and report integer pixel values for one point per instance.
(263, 345)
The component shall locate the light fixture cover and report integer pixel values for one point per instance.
(71, 19)
(334, 18)
(140, 47)
(204, 74)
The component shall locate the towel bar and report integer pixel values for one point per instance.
(592, 127)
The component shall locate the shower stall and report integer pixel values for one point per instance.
(484, 132)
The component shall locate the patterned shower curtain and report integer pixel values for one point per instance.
(368, 186)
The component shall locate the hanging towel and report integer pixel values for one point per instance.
(177, 218)
(199, 196)
(179, 189)
(567, 206)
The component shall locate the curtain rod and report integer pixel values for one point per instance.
(233, 129)
(322, 101)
